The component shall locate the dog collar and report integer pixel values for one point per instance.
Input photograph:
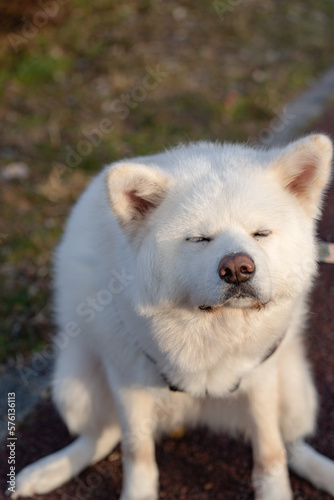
(267, 356)
(272, 350)
(164, 377)
(175, 388)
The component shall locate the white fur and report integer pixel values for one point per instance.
(129, 281)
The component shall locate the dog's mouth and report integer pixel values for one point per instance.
(205, 308)
(237, 297)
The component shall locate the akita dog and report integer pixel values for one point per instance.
(182, 283)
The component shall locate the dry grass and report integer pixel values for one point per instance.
(226, 76)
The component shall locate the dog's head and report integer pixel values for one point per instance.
(222, 226)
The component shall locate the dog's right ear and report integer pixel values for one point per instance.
(304, 169)
(134, 191)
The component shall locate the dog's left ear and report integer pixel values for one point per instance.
(134, 192)
(304, 170)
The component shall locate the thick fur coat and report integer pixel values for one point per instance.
(182, 283)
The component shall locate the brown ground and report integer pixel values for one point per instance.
(64, 66)
(201, 466)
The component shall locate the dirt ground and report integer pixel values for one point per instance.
(222, 70)
(200, 465)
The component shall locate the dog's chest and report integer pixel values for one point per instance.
(214, 362)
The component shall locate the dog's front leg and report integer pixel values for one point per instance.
(140, 472)
(270, 472)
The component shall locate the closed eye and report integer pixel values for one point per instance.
(198, 239)
(262, 234)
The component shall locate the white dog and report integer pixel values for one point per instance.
(182, 284)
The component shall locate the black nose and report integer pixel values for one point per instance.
(236, 268)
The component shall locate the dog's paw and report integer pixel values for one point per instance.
(36, 479)
(273, 485)
(141, 498)
(323, 477)
(30, 481)
(140, 481)
(139, 495)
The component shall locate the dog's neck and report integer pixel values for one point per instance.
(175, 388)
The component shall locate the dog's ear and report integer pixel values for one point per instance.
(304, 169)
(134, 191)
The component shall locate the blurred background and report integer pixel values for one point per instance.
(84, 83)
